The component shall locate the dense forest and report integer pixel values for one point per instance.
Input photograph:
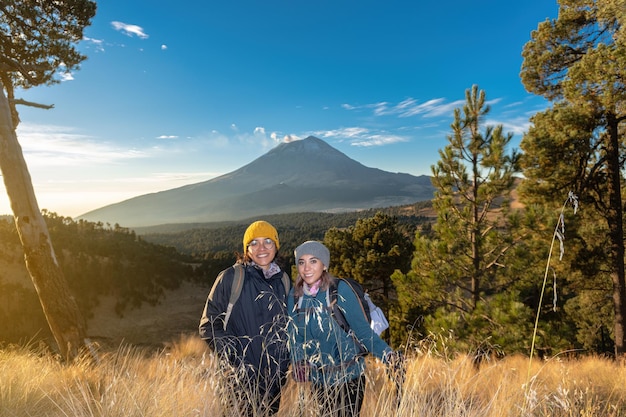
(198, 240)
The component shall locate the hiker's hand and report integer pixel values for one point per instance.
(396, 367)
(300, 371)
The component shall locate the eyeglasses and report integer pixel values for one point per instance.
(256, 244)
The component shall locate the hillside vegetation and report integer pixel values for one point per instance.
(97, 261)
(198, 239)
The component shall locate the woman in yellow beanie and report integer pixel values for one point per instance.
(248, 333)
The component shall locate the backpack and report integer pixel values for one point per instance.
(372, 313)
(235, 290)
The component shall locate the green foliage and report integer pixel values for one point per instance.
(503, 322)
(204, 240)
(38, 39)
(371, 251)
(461, 278)
(21, 314)
(563, 152)
(578, 61)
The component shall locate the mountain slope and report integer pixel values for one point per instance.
(305, 175)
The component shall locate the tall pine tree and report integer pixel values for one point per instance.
(455, 275)
(578, 61)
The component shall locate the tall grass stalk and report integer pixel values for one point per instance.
(559, 233)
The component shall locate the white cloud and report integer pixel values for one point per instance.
(98, 43)
(66, 76)
(129, 30)
(379, 140)
(291, 138)
(163, 47)
(45, 145)
(362, 137)
(516, 125)
(411, 107)
(343, 133)
(167, 137)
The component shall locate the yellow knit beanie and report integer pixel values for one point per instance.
(258, 229)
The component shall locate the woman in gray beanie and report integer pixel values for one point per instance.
(321, 351)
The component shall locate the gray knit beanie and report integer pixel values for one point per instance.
(313, 248)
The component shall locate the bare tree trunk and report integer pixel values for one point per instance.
(59, 306)
(616, 235)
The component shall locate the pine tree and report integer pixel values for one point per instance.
(578, 61)
(456, 269)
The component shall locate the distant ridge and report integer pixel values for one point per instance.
(299, 176)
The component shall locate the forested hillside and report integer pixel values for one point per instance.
(202, 239)
(97, 261)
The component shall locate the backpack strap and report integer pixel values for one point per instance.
(286, 282)
(235, 291)
(337, 314)
(356, 294)
(333, 307)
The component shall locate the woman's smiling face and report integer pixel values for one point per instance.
(262, 251)
(310, 269)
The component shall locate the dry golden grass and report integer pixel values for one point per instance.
(182, 381)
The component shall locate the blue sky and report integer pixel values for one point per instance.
(174, 93)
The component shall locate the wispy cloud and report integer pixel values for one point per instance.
(516, 125)
(343, 133)
(379, 140)
(97, 43)
(129, 30)
(60, 146)
(411, 107)
(66, 76)
(437, 110)
(361, 136)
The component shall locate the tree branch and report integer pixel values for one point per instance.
(31, 104)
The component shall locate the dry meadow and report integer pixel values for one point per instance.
(183, 379)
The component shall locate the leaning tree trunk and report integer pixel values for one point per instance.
(59, 307)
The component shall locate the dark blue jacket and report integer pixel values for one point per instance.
(256, 332)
